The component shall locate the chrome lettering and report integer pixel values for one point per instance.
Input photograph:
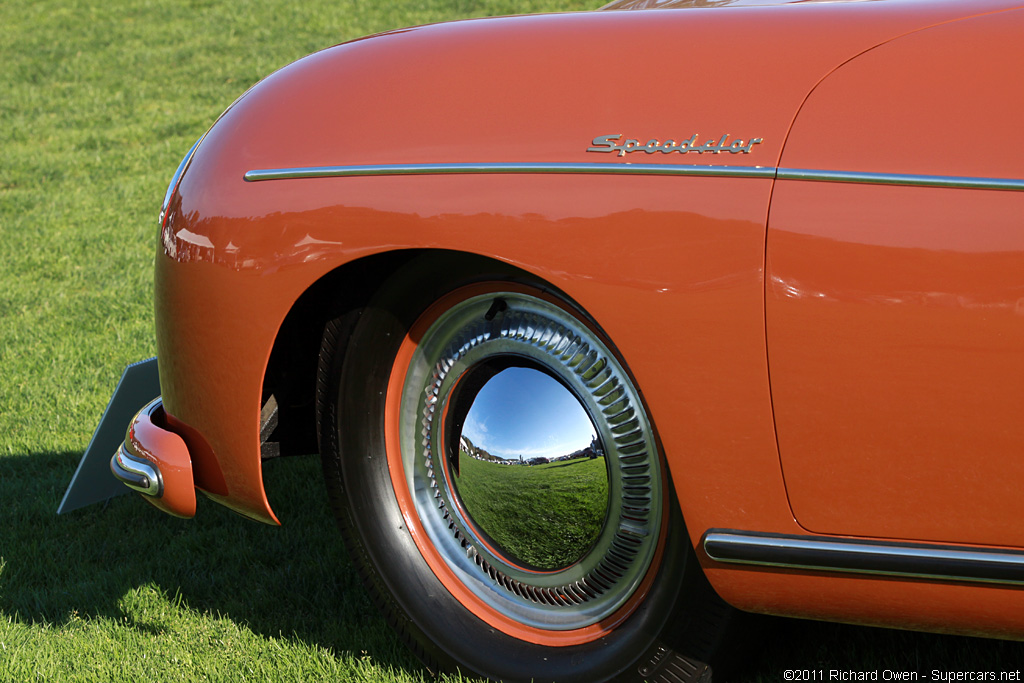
(604, 143)
(610, 143)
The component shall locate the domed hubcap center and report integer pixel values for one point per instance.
(529, 469)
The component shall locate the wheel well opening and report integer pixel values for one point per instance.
(288, 418)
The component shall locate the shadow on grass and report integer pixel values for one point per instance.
(294, 580)
(825, 647)
(570, 463)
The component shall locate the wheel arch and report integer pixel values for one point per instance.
(344, 289)
(289, 378)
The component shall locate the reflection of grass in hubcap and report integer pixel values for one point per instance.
(545, 516)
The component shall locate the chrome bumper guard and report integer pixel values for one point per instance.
(136, 473)
(156, 462)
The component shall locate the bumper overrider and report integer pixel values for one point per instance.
(155, 462)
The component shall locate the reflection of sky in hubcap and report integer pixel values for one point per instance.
(525, 412)
(529, 468)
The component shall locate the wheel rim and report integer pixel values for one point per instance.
(475, 344)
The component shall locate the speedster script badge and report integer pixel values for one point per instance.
(610, 143)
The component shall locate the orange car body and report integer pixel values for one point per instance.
(827, 324)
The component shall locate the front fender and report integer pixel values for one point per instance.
(235, 255)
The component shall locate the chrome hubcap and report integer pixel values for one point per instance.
(531, 461)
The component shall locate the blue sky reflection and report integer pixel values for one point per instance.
(524, 412)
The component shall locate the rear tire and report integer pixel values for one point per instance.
(632, 605)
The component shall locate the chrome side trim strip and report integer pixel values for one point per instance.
(474, 169)
(905, 179)
(805, 174)
(831, 554)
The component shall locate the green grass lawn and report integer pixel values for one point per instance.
(547, 515)
(99, 100)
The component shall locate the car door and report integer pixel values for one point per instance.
(895, 303)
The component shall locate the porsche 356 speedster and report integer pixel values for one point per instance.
(606, 324)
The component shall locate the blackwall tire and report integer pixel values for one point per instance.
(630, 606)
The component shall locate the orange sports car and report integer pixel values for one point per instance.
(607, 323)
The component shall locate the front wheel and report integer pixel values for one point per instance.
(498, 481)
